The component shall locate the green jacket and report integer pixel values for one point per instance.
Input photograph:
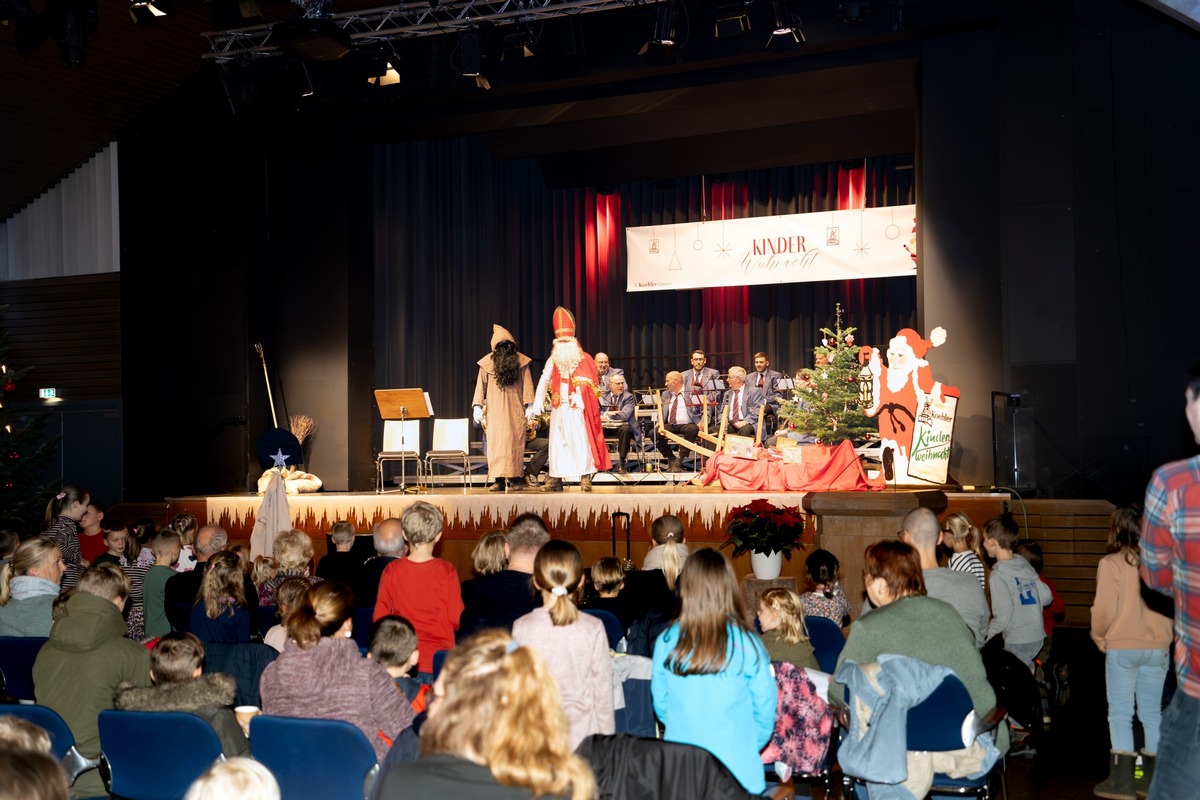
(77, 672)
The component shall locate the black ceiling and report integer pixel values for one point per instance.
(586, 104)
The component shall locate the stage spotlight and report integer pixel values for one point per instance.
(313, 38)
(664, 28)
(518, 44)
(787, 22)
(853, 11)
(144, 12)
(470, 53)
(72, 20)
(732, 19)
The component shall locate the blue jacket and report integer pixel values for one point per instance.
(753, 399)
(688, 414)
(731, 713)
(623, 409)
(710, 383)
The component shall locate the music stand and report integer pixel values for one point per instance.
(404, 405)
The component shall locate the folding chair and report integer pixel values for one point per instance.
(184, 747)
(17, 654)
(324, 758)
(62, 741)
(451, 445)
(401, 441)
(827, 641)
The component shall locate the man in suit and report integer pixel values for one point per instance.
(604, 371)
(743, 402)
(680, 418)
(620, 418)
(700, 381)
(766, 378)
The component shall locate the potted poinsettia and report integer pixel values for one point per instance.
(767, 532)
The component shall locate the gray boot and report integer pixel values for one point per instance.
(1141, 786)
(585, 483)
(1119, 784)
(552, 485)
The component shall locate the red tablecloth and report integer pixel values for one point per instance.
(839, 470)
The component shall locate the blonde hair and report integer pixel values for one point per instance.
(17, 733)
(292, 549)
(422, 522)
(558, 569)
(287, 594)
(667, 530)
(66, 497)
(502, 708)
(959, 526)
(786, 603)
(29, 555)
(222, 586)
(710, 603)
(239, 777)
(488, 556)
(105, 581)
(320, 612)
(607, 574)
(31, 775)
(243, 554)
(263, 570)
(186, 526)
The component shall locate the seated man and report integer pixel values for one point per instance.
(619, 417)
(497, 600)
(539, 447)
(604, 372)
(743, 402)
(680, 418)
(769, 381)
(701, 382)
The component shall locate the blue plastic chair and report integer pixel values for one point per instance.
(17, 654)
(612, 625)
(62, 741)
(827, 641)
(184, 747)
(323, 758)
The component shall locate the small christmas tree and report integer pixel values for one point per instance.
(23, 453)
(826, 401)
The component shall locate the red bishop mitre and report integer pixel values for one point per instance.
(564, 322)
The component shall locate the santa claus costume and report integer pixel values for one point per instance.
(577, 447)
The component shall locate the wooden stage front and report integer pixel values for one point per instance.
(1073, 533)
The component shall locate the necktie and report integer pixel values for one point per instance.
(760, 379)
(671, 418)
(737, 407)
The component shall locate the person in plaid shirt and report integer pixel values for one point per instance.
(1170, 549)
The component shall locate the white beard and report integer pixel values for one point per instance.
(566, 355)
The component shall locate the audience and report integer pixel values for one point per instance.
(262, 570)
(966, 544)
(781, 617)
(31, 775)
(824, 596)
(669, 552)
(342, 564)
(235, 779)
(29, 583)
(220, 613)
(389, 547)
(959, 589)
(184, 588)
(186, 526)
(21, 734)
(422, 588)
(86, 658)
(9, 539)
(496, 729)
(393, 643)
(175, 668)
(63, 513)
(498, 599)
(287, 596)
(711, 676)
(116, 543)
(321, 674)
(608, 579)
(293, 552)
(1017, 593)
(166, 547)
(91, 532)
(573, 645)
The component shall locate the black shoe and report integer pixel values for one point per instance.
(552, 485)
(674, 466)
(498, 486)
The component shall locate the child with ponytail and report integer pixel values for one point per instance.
(964, 539)
(63, 513)
(574, 645)
(669, 551)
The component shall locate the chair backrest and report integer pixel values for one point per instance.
(612, 625)
(938, 721)
(62, 741)
(184, 746)
(827, 641)
(325, 758)
(451, 436)
(402, 436)
(46, 718)
(17, 654)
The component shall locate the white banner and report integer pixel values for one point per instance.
(821, 246)
(932, 435)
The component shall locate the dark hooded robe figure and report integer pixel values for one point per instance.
(502, 390)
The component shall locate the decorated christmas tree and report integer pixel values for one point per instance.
(826, 402)
(23, 453)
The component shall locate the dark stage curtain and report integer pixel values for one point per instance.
(464, 240)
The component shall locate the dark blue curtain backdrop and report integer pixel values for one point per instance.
(463, 241)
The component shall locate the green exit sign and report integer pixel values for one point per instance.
(47, 394)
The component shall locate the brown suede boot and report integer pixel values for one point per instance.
(1141, 786)
(585, 483)
(1119, 784)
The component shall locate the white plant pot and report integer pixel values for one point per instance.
(766, 566)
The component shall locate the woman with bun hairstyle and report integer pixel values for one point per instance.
(321, 674)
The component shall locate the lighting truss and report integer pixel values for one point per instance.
(409, 21)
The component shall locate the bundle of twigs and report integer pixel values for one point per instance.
(303, 426)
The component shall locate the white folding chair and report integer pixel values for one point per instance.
(401, 441)
(451, 445)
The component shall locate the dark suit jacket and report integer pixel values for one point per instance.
(710, 383)
(625, 408)
(770, 379)
(753, 399)
(688, 414)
